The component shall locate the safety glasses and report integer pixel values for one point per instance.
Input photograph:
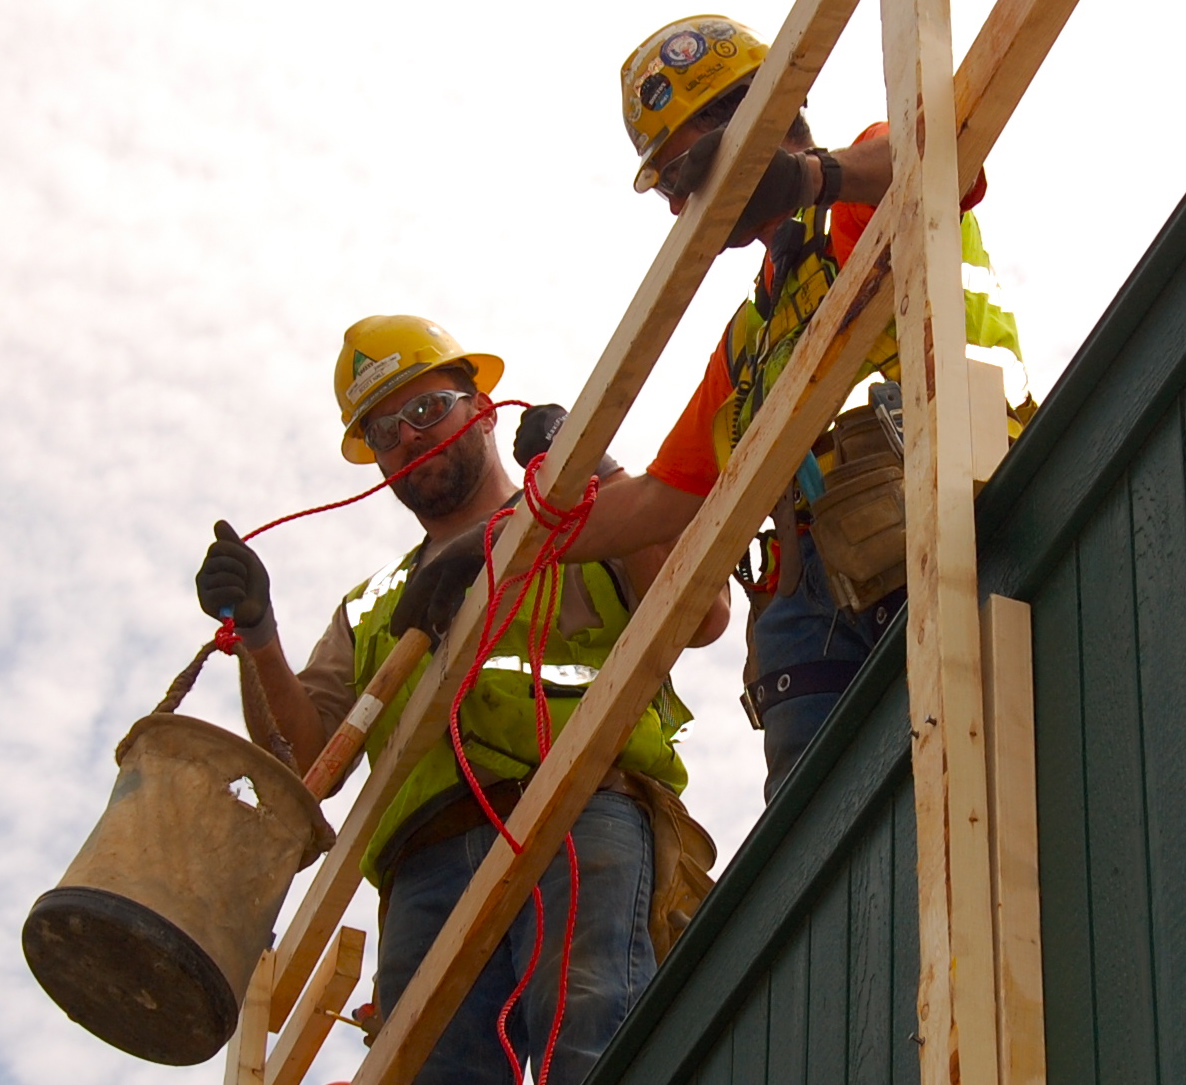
(423, 412)
(667, 177)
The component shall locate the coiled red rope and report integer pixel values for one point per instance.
(564, 525)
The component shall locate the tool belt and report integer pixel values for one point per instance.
(859, 523)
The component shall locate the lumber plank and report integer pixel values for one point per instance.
(676, 273)
(1007, 643)
(248, 1048)
(956, 996)
(990, 420)
(336, 978)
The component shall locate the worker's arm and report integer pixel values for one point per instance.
(642, 566)
(865, 171)
(296, 715)
(232, 578)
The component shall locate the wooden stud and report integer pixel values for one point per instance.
(310, 1023)
(990, 420)
(956, 1000)
(1013, 834)
(248, 1048)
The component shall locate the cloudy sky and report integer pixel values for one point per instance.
(195, 201)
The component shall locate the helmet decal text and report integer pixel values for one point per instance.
(655, 91)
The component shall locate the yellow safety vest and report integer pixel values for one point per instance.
(497, 719)
(759, 349)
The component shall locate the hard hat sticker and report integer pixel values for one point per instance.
(369, 372)
(724, 49)
(655, 91)
(683, 49)
(718, 30)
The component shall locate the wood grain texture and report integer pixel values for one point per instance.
(1158, 489)
(956, 995)
(248, 1048)
(871, 957)
(309, 1025)
(1062, 829)
(1007, 640)
(1117, 838)
(790, 980)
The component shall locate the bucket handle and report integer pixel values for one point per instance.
(257, 713)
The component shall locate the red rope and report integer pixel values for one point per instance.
(564, 525)
(226, 637)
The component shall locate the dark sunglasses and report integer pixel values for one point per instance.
(423, 412)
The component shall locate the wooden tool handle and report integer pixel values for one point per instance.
(328, 770)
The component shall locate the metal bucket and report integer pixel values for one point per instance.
(152, 935)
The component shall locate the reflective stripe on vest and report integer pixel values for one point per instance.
(497, 719)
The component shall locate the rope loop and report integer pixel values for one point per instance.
(226, 638)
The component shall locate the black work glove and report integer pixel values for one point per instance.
(785, 187)
(433, 596)
(537, 430)
(233, 576)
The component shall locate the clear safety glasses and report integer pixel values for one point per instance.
(382, 433)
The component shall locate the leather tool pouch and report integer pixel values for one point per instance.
(684, 854)
(860, 522)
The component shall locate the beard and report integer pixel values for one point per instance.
(446, 482)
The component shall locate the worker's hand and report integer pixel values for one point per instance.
(233, 576)
(785, 187)
(537, 430)
(433, 596)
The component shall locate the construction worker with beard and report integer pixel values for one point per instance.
(819, 603)
(404, 385)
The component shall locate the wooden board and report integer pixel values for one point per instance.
(956, 998)
(990, 422)
(1013, 833)
(248, 1048)
(309, 1025)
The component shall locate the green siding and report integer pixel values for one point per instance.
(802, 966)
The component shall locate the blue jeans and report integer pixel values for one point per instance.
(612, 957)
(799, 629)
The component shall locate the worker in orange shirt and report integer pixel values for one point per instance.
(818, 604)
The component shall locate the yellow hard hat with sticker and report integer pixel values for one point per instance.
(675, 73)
(380, 353)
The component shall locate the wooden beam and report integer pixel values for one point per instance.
(990, 420)
(678, 269)
(309, 1025)
(956, 1000)
(248, 1048)
(1007, 643)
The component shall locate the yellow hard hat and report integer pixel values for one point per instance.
(675, 73)
(380, 353)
